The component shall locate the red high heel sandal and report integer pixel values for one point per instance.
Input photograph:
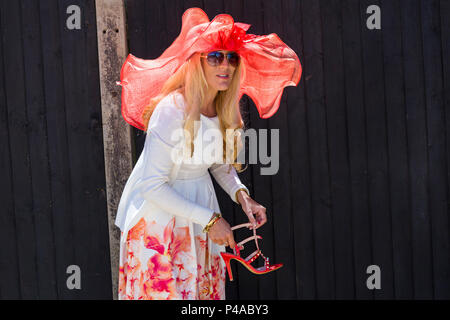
(227, 257)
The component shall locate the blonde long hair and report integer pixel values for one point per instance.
(190, 81)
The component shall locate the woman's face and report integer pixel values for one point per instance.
(218, 77)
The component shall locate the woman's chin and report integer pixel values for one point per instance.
(223, 87)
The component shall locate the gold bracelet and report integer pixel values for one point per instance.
(211, 222)
(236, 194)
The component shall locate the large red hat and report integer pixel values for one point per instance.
(270, 65)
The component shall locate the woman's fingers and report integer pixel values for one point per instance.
(255, 212)
(225, 242)
(257, 219)
(251, 219)
(230, 240)
(221, 233)
(261, 218)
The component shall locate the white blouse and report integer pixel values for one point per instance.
(153, 175)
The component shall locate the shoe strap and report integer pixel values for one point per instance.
(255, 237)
(240, 244)
(241, 226)
(251, 257)
(248, 224)
(266, 261)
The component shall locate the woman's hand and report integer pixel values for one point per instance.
(222, 234)
(255, 212)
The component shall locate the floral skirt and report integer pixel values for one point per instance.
(171, 258)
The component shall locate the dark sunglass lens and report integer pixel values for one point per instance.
(215, 58)
(233, 59)
(212, 60)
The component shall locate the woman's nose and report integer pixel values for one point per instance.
(225, 62)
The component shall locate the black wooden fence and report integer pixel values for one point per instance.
(364, 149)
(52, 189)
(364, 154)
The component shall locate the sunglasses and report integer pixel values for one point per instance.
(216, 58)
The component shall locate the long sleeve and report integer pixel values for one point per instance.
(229, 182)
(158, 152)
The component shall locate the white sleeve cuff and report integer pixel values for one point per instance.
(229, 181)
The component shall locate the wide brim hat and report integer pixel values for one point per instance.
(270, 65)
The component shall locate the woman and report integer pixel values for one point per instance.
(172, 231)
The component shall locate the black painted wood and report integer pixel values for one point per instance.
(9, 285)
(54, 212)
(378, 170)
(417, 149)
(299, 187)
(357, 146)
(313, 79)
(444, 9)
(19, 129)
(397, 150)
(57, 138)
(334, 83)
(436, 131)
(259, 287)
(38, 152)
(364, 148)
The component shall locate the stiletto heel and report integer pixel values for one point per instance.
(227, 260)
(227, 257)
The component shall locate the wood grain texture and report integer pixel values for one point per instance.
(112, 51)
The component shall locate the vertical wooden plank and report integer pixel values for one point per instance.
(135, 24)
(317, 133)
(445, 43)
(156, 34)
(215, 7)
(357, 146)
(151, 37)
(58, 149)
(40, 175)
(150, 17)
(435, 116)
(99, 267)
(72, 44)
(379, 200)
(417, 148)
(112, 51)
(173, 26)
(192, 4)
(299, 163)
(86, 158)
(282, 222)
(263, 287)
(19, 129)
(398, 149)
(9, 264)
(334, 84)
